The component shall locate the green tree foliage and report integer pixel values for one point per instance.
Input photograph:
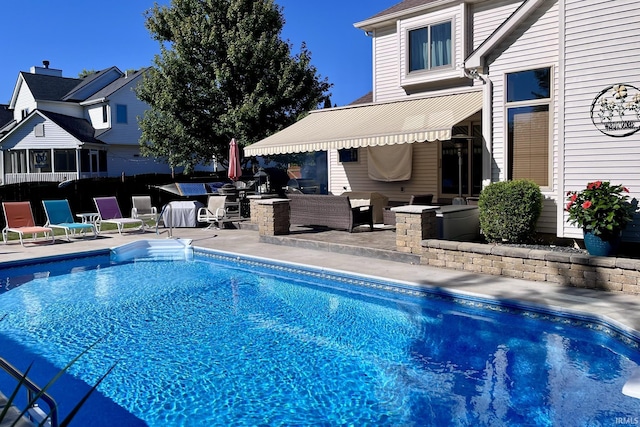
(84, 73)
(223, 71)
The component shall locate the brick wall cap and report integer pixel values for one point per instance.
(273, 201)
(414, 209)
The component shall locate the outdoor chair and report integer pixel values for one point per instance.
(109, 212)
(59, 216)
(215, 213)
(142, 209)
(421, 199)
(18, 218)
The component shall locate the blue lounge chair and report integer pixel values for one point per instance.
(59, 216)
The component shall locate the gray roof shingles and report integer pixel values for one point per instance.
(80, 129)
(399, 7)
(6, 115)
(116, 85)
(49, 88)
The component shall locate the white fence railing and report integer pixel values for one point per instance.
(16, 178)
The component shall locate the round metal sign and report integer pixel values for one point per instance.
(616, 110)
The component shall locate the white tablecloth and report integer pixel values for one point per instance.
(181, 214)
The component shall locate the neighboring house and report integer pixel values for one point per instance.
(544, 90)
(70, 128)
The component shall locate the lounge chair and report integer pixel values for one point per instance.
(142, 209)
(215, 213)
(18, 218)
(59, 216)
(110, 213)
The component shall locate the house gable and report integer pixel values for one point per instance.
(56, 131)
(476, 60)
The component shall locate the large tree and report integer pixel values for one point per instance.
(223, 71)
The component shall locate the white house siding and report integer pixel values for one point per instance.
(487, 17)
(54, 136)
(602, 48)
(120, 133)
(353, 176)
(533, 45)
(126, 159)
(386, 65)
(23, 100)
(66, 108)
(95, 117)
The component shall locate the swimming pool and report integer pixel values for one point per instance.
(222, 339)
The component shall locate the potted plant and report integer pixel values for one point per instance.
(602, 211)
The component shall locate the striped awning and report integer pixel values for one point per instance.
(401, 122)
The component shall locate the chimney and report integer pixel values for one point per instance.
(45, 70)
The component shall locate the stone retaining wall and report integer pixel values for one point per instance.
(569, 269)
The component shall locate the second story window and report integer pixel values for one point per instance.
(121, 113)
(105, 114)
(430, 47)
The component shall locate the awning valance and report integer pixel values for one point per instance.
(417, 120)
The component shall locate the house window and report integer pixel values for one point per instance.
(528, 123)
(102, 157)
(15, 161)
(105, 114)
(38, 130)
(24, 113)
(93, 161)
(471, 156)
(347, 155)
(121, 113)
(430, 47)
(64, 160)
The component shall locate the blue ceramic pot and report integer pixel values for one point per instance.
(598, 247)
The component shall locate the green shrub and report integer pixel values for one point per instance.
(509, 211)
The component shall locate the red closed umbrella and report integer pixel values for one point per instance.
(235, 171)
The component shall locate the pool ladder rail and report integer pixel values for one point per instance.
(161, 218)
(33, 415)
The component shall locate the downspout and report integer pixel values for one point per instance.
(487, 122)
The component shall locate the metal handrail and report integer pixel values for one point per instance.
(164, 208)
(32, 391)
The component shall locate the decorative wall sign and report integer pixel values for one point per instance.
(41, 159)
(616, 110)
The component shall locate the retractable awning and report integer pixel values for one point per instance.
(417, 120)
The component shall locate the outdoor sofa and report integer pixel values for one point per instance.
(328, 211)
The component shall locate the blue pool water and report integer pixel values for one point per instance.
(220, 342)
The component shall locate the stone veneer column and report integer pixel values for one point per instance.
(273, 217)
(254, 199)
(414, 224)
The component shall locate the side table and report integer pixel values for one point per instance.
(90, 218)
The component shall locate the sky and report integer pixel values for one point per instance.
(77, 35)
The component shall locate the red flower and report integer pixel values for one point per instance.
(569, 206)
(586, 205)
(574, 197)
(625, 189)
(594, 184)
